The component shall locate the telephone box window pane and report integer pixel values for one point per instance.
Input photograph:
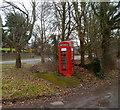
(63, 44)
(63, 57)
(63, 49)
(71, 44)
(63, 63)
(63, 54)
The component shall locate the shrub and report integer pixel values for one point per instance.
(97, 68)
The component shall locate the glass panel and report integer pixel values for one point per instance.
(63, 49)
(63, 60)
(63, 44)
(71, 44)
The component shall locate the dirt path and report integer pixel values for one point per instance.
(105, 95)
(100, 95)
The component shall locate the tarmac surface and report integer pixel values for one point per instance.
(29, 61)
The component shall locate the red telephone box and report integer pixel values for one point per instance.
(66, 58)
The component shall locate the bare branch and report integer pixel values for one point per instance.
(15, 6)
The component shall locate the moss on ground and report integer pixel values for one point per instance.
(61, 81)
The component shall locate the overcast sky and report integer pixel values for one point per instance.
(27, 4)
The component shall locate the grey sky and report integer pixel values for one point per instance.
(27, 4)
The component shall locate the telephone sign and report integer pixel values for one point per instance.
(66, 58)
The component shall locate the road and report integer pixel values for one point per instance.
(23, 61)
(31, 60)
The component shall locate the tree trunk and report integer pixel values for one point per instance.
(90, 55)
(105, 32)
(107, 60)
(118, 54)
(63, 20)
(105, 55)
(56, 52)
(82, 52)
(10, 49)
(18, 60)
(55, 47)
(42, 53)
(42, 57)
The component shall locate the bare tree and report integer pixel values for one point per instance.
(63, 13)
(43, 28)
(78, 19)
(22, 29)
(63, 24)
(92, 36)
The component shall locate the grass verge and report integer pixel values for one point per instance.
(21, 84)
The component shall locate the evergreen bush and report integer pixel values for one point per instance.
(97, 68)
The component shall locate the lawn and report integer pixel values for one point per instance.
(13, 49)
(7, 49)
(21, 84)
